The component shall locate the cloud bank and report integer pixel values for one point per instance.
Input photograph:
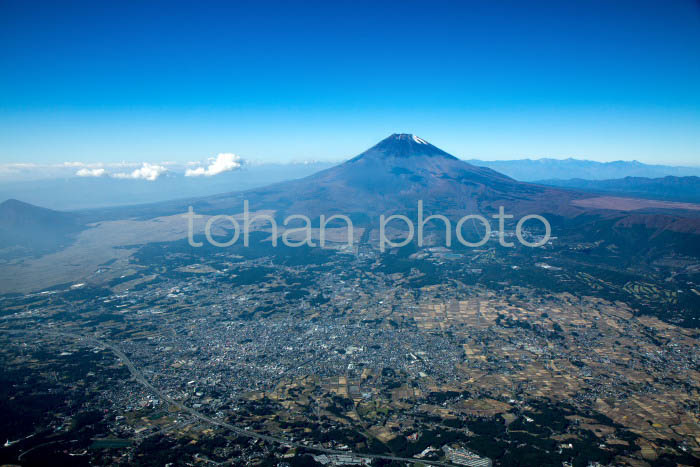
(125, 170)
(147, 171)
(223, 162)
(85, 172)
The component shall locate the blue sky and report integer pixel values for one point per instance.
(150, 81)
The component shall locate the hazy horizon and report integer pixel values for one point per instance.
(76, 185)
(17, 172)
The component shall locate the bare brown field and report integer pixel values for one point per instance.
(631, 204)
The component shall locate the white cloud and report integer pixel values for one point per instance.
(224, 162)
(85, 172)
(147, 171)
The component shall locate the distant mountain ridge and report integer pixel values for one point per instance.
(531, 170)
(683, 189)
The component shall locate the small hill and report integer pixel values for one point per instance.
(25, 228)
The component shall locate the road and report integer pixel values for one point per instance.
(141, 379)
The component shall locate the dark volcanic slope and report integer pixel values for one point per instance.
(28, 228)
(391, 177)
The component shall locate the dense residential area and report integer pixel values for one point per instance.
(334, 358)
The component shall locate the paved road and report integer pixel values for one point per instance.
(138, 376)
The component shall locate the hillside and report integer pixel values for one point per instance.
(683, 189)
